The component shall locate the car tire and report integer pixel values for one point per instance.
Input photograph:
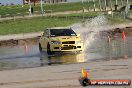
(49, 52)
(40, 48)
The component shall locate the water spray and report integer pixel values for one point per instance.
(90, 29)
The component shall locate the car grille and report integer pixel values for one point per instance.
(68, 47)
(69, 42)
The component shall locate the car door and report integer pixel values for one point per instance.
(44, 39)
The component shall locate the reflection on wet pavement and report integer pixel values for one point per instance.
(62, 59)
(14, 57)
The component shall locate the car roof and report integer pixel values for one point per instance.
(59, 28)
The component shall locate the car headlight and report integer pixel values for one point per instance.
(55, 42)
(78, 42)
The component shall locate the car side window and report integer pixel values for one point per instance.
(46, 33)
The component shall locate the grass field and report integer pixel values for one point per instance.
(130, 11)
(18, 9)
(33, 25)
(39, 24)
(61, 7)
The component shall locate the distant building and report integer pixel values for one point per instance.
(46, 1)
(54, 1)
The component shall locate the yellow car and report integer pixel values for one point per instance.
(60, 39)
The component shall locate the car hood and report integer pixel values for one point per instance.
(65, 38)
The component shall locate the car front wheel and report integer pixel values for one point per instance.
(49, 52)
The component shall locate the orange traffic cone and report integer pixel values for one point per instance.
(123, 35)
(84, 80)
(86, 74)
(83, 73)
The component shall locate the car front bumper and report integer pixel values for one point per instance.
(66, 47)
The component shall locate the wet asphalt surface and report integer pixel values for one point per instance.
(16, 57)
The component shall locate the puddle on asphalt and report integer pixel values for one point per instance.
(15, 57)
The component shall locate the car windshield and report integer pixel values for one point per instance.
(62, 32)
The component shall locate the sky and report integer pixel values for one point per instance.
(4, 2)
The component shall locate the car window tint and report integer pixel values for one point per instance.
(62, 32)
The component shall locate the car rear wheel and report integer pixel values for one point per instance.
(49, 52)
(40, 48)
